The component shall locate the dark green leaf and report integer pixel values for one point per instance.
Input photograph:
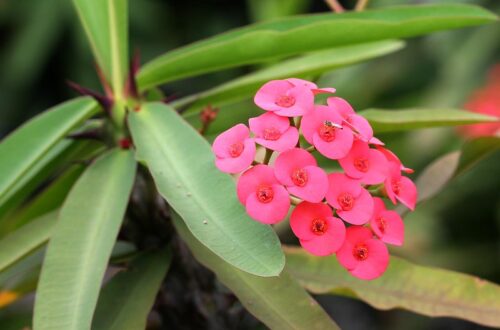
(295, 35)
(280, 302)
(81, 243)
(182, 165)
(425, 290)
(125, 302)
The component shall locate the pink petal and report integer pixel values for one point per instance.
(312, 121)
(304, 102)
(362, 210)
(378, 206)
(224, 140)
(376, 141)
(323, 90)
(341, 106)
(266, 96)
(271, 212)
(378, 168)
(359, 150)
(316, 187)
(240, 163)
(303, 215)
(302, 82)
(354, 235)
(259, 124)
(339, 184)
(336, 149)
(329, 242)
(394, 175)
(360, 125)
(376, 263)
(290, 160)
(408, 194)
(287, 141)
(250, 180)
(392, 230)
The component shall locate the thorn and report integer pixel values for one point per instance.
(131, 82)
(125, 143)
(104, 101)
(105, 85)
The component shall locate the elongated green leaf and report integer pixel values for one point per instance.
(439, 173)
(81, 243)
(126, 300)
(279, 302)
(295, 35)
(106, 25)
(182, 166)
(301, 67)
(26, 146)
(26, 239)
(401, 120)
(425, 290)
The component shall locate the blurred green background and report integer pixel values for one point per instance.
(42, 45)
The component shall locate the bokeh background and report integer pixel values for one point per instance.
(42, 45)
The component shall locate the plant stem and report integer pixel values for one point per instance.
(310, 149)
(267, 157)
(361, 5)
(295, 200)
(335, 6)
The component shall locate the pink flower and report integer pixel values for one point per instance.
(284, 98)
(400, 187)
(362, 255)
(234, 149)
(264, 198)
(323, 128)
(274, 132)
(391, 157)
(353, 203)
(318, 230)
(387, 224)
(312, 86)
(298, 171)
(367, 165)
(357, 123)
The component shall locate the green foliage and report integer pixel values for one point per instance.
(295, 35)
(185, 175)
(125, 302)
(81, 243)
(302, 67)
(106, 25)
(280, 302)
(425, 290)
(384, 121)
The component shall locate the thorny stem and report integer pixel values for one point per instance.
(310, 149)
(361, 5)
(335, 6)
(267, 157)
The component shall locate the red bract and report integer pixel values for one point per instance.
(264, 198)
(368, 165)
(362, 255)
(284, 98)
(298, 171)
(338, 133)
(318, 230)
(323, 129)
(352, 202)
(387, 224)
(274, 132)
(234, 149)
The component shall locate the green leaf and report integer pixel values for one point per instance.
(106, 24)
(384, 121)
(279, 302)
(125, 302)
(439, 173)
(182, 165)
(301, 67)
(26, 146)
(425, 290)
(295, 35)
(26, 239)
(81, 243)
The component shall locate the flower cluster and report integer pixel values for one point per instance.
(334, 212)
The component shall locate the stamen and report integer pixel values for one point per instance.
(271, 134)
(300, 177)
(285, 101)
(327, 131)
(361, 164)
(265, 194)
(319, 226)
(396, 187)
(236, 149)
(346, 201)
(381, 224)
(360, 252)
